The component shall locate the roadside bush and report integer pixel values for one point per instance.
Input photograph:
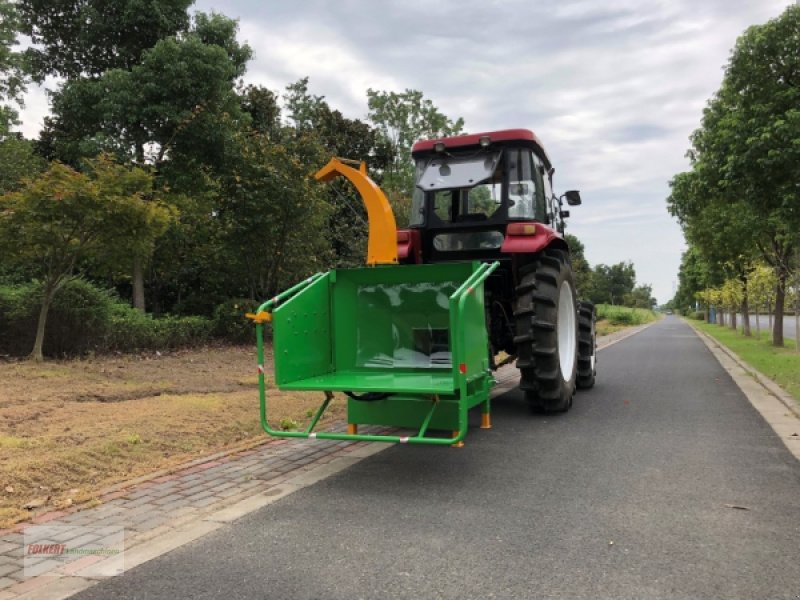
(77, 322)
(84, 318)
(230, 323)
(620, 315)
(131, 330)
(697, 315)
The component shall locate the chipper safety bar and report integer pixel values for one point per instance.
(406, 343)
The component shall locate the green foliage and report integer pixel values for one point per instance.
(18, 161)
(620, 315)
(580, 266)
(130, 330)
(84, 318)
(79, 318)
(76, 38)
(739, 202)
(402, 119)
(697, 315)
(12, 66)
(288, 424)
(178, 98)
(64, 216)
(611, 283)
(230, 322)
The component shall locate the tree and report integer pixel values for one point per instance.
(175, 108)
(746, 159)
(580, 266)
(693, 278)
(310, 115)
(85, 38)
(273, 216)
(18, 161)
(609, 284)
(12, 66)
(640, 297)
(64, 215)
(761, 285)
(402, 119)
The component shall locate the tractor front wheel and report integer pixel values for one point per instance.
(547, 332)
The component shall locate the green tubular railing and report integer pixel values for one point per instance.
(457, 302)
(272, 302)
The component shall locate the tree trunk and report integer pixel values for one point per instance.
(758, 321)
(36, 354)
(746, 317)
(138, 284)
(797, 320)
(721, 317)
(769, 315)
(780, 298)
(733, 319)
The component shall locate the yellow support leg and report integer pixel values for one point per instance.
(486, 421)
(459, 444)
(352, 428)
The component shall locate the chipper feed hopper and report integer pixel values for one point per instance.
(407, 344)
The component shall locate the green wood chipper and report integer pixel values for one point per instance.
(411, 338)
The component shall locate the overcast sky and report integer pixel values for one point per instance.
(613, 88)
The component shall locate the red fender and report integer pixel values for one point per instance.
(529, 237)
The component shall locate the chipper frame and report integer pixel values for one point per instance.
(406, 343)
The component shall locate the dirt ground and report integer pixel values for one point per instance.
(69, 429)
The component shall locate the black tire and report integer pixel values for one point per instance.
(587, 345)
(539, 357)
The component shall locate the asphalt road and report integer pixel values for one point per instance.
(789, 331)
(633, 494)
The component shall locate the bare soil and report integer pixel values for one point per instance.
(69, 429)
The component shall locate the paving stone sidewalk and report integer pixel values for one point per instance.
(156, 507)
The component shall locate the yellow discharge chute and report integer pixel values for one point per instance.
(382, 242)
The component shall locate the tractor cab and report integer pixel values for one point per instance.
(470, 188)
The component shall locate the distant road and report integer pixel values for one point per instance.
(788, 324)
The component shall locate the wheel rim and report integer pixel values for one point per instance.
(566, 331)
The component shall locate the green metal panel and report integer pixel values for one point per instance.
(383, 314)
(302, 334)
(415, 332)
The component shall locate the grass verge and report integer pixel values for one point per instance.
(782, 365)
(73, 428)
(611, 319)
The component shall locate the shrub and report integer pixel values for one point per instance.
(77, 322)
(697, 315)
(84, 318)
(132, 330)
(230, 323)
(620, 315)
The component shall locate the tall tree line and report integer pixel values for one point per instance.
(153, 87)
(738, 204)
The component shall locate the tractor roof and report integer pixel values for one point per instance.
(502, 137)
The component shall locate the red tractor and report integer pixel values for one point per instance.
(489, 197)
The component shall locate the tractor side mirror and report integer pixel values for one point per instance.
(573, 197)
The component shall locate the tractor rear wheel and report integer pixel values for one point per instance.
(547, 332)
(587, 345)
